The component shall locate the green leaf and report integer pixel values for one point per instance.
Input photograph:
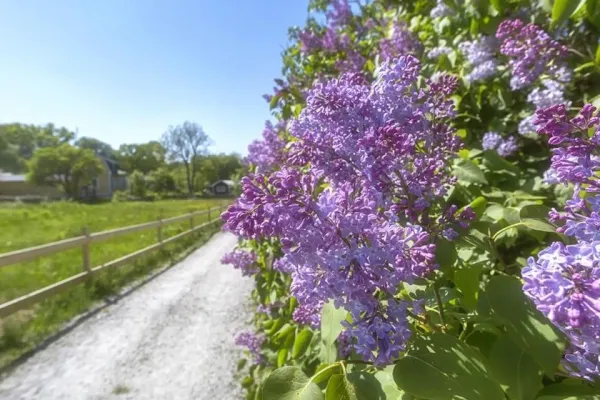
(377, 386)
(563, 9)
(535, 211)
(569, 391)
(302, 342)
(467, 281)
(441, 367)
(499, 5)
(495, 212)
(497, 164)
(511, 215)
(538, 225)
(445, 254)
(338, 388)
(515, 370)
(331, 327)
(281, 357)
(325, 371)
(503, 298)
(468, 171)
(290, 383)
(274, 101)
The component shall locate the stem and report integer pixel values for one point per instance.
(505, 229)
(438, 298)
(356, 362)
(422, 320)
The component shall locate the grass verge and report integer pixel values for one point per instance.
(24, 330)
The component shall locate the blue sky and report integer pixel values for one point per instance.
(122, 71)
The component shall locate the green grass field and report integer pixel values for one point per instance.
(27, 225)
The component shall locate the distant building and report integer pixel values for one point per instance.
(222, 188)
(13, 186)
(108, 182)
(111, 179)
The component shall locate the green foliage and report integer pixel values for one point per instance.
(18, 143)
(145, 157)
(66, 166)
(290, 383)
(137, 184)
(459, 371)
(331, 327)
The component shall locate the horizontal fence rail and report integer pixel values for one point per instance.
(84, 242)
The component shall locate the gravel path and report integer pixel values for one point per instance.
(170, 339)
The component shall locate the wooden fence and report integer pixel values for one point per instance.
(84, 241)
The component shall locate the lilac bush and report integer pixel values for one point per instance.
(357, 223)
(480, 54)
(243, 260)
(531, 51)
(504, 146)
(267, 153)
(564, 280)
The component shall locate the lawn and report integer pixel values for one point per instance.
(26, 225)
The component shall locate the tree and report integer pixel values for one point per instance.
(66, 166)
(145, 157)
(185, 143)
(20, 141)
(97, 146)
(138, 186)
(162, 181)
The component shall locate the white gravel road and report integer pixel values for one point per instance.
(170, 339)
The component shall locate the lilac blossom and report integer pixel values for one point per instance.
(441, 10)
(480, 54)
(350, 209)
(564, 280)
(439, 51)
(267, 153)
(253, 343)
(400, 42)
(483, 71)
(508, 147)
(527, 125)
(309, 40)
(491, 140)
(552, 94)
(530, 51)
(504, 146)
(243, 260)
(339, 13)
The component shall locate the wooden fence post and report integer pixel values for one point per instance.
(159, 233)
(210, 208)
(191, 220)
(86, 252)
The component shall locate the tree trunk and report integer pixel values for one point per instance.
(189, 179)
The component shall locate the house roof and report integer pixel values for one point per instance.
(8, 177)
(225, 181)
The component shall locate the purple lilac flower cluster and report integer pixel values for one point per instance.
(441, 10)
(267, 153)
(530, 49)
(253, 343)
(505, 147)
(243, 260)
(400, 42)
(480, 54)
(552, 93)
(439, 51)
(352, 207)
(564, 280)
